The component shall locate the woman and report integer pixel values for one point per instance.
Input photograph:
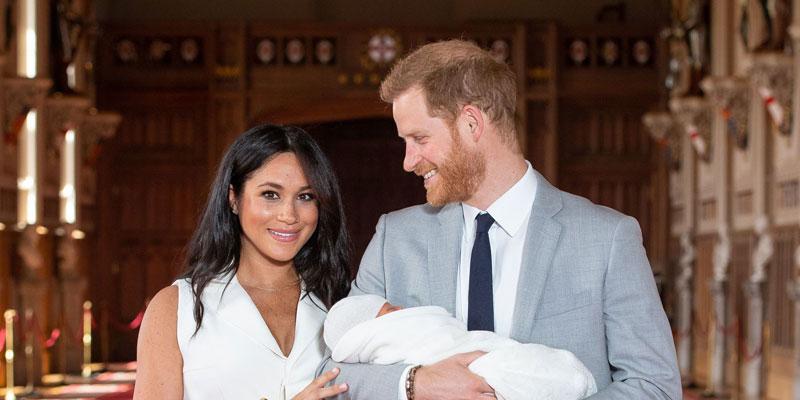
(267, 259)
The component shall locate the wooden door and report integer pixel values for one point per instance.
(368, 158)
(155, 177)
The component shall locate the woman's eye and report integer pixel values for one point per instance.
(270, 195)
(306, 196)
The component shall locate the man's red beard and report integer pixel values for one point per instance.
(458, 177)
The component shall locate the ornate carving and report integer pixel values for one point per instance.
(68, 253)
(96, 127)
(693, 115)
(662, 129)
(763, 251)
(61, 114)
(22, 94)
(764, 27)
(722, 254)
(29, 253)
(685, 262)
(773, 76)
(732, 97)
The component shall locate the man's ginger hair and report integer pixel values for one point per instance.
(455, 73)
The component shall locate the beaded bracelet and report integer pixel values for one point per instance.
(410, 382)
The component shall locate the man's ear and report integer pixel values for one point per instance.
(474, 121)
(232, 200)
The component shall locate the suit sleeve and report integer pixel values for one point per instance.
(641, 352)
(366, 381)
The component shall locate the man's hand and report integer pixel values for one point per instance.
(450, 379)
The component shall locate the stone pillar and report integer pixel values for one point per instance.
(753, 362)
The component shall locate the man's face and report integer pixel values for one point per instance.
(437, 151)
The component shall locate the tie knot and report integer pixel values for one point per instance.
(485, 222)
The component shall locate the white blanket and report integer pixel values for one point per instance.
(425, 335)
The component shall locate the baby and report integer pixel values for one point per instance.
(368, 329)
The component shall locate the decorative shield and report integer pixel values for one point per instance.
(295, 51)
(324, 51)
(500, 50)
(609, 52)
(190, 50)
(126, 51)
(579, 52)
(265, 51)
(159, 50)
(641, 52)
(383, 47)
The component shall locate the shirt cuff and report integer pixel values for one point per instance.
(401, 387)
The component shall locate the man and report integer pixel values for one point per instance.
(502, 249)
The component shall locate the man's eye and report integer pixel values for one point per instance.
(306, 196)
(420, 139)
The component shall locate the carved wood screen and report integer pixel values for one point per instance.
(780, 308)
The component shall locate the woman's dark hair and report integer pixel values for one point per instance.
(322, 263)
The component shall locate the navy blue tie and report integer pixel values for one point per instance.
(481, 304)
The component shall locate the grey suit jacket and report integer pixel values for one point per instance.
(585, 286)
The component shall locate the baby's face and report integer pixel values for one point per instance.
(387, 308)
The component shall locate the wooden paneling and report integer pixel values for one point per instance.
(606, 157)
(780, 308)
(738, 273)
(155, 172)
(368, 159)
(701, 308)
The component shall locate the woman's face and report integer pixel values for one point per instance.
(277, 211)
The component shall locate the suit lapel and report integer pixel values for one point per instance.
(444, 252)
(540, 247)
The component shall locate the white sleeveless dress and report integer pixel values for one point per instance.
(234, 356)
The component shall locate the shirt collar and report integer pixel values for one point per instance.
(509, 209)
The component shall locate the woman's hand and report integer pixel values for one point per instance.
(316, 390)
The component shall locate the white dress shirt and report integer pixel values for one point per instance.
(511, 213)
